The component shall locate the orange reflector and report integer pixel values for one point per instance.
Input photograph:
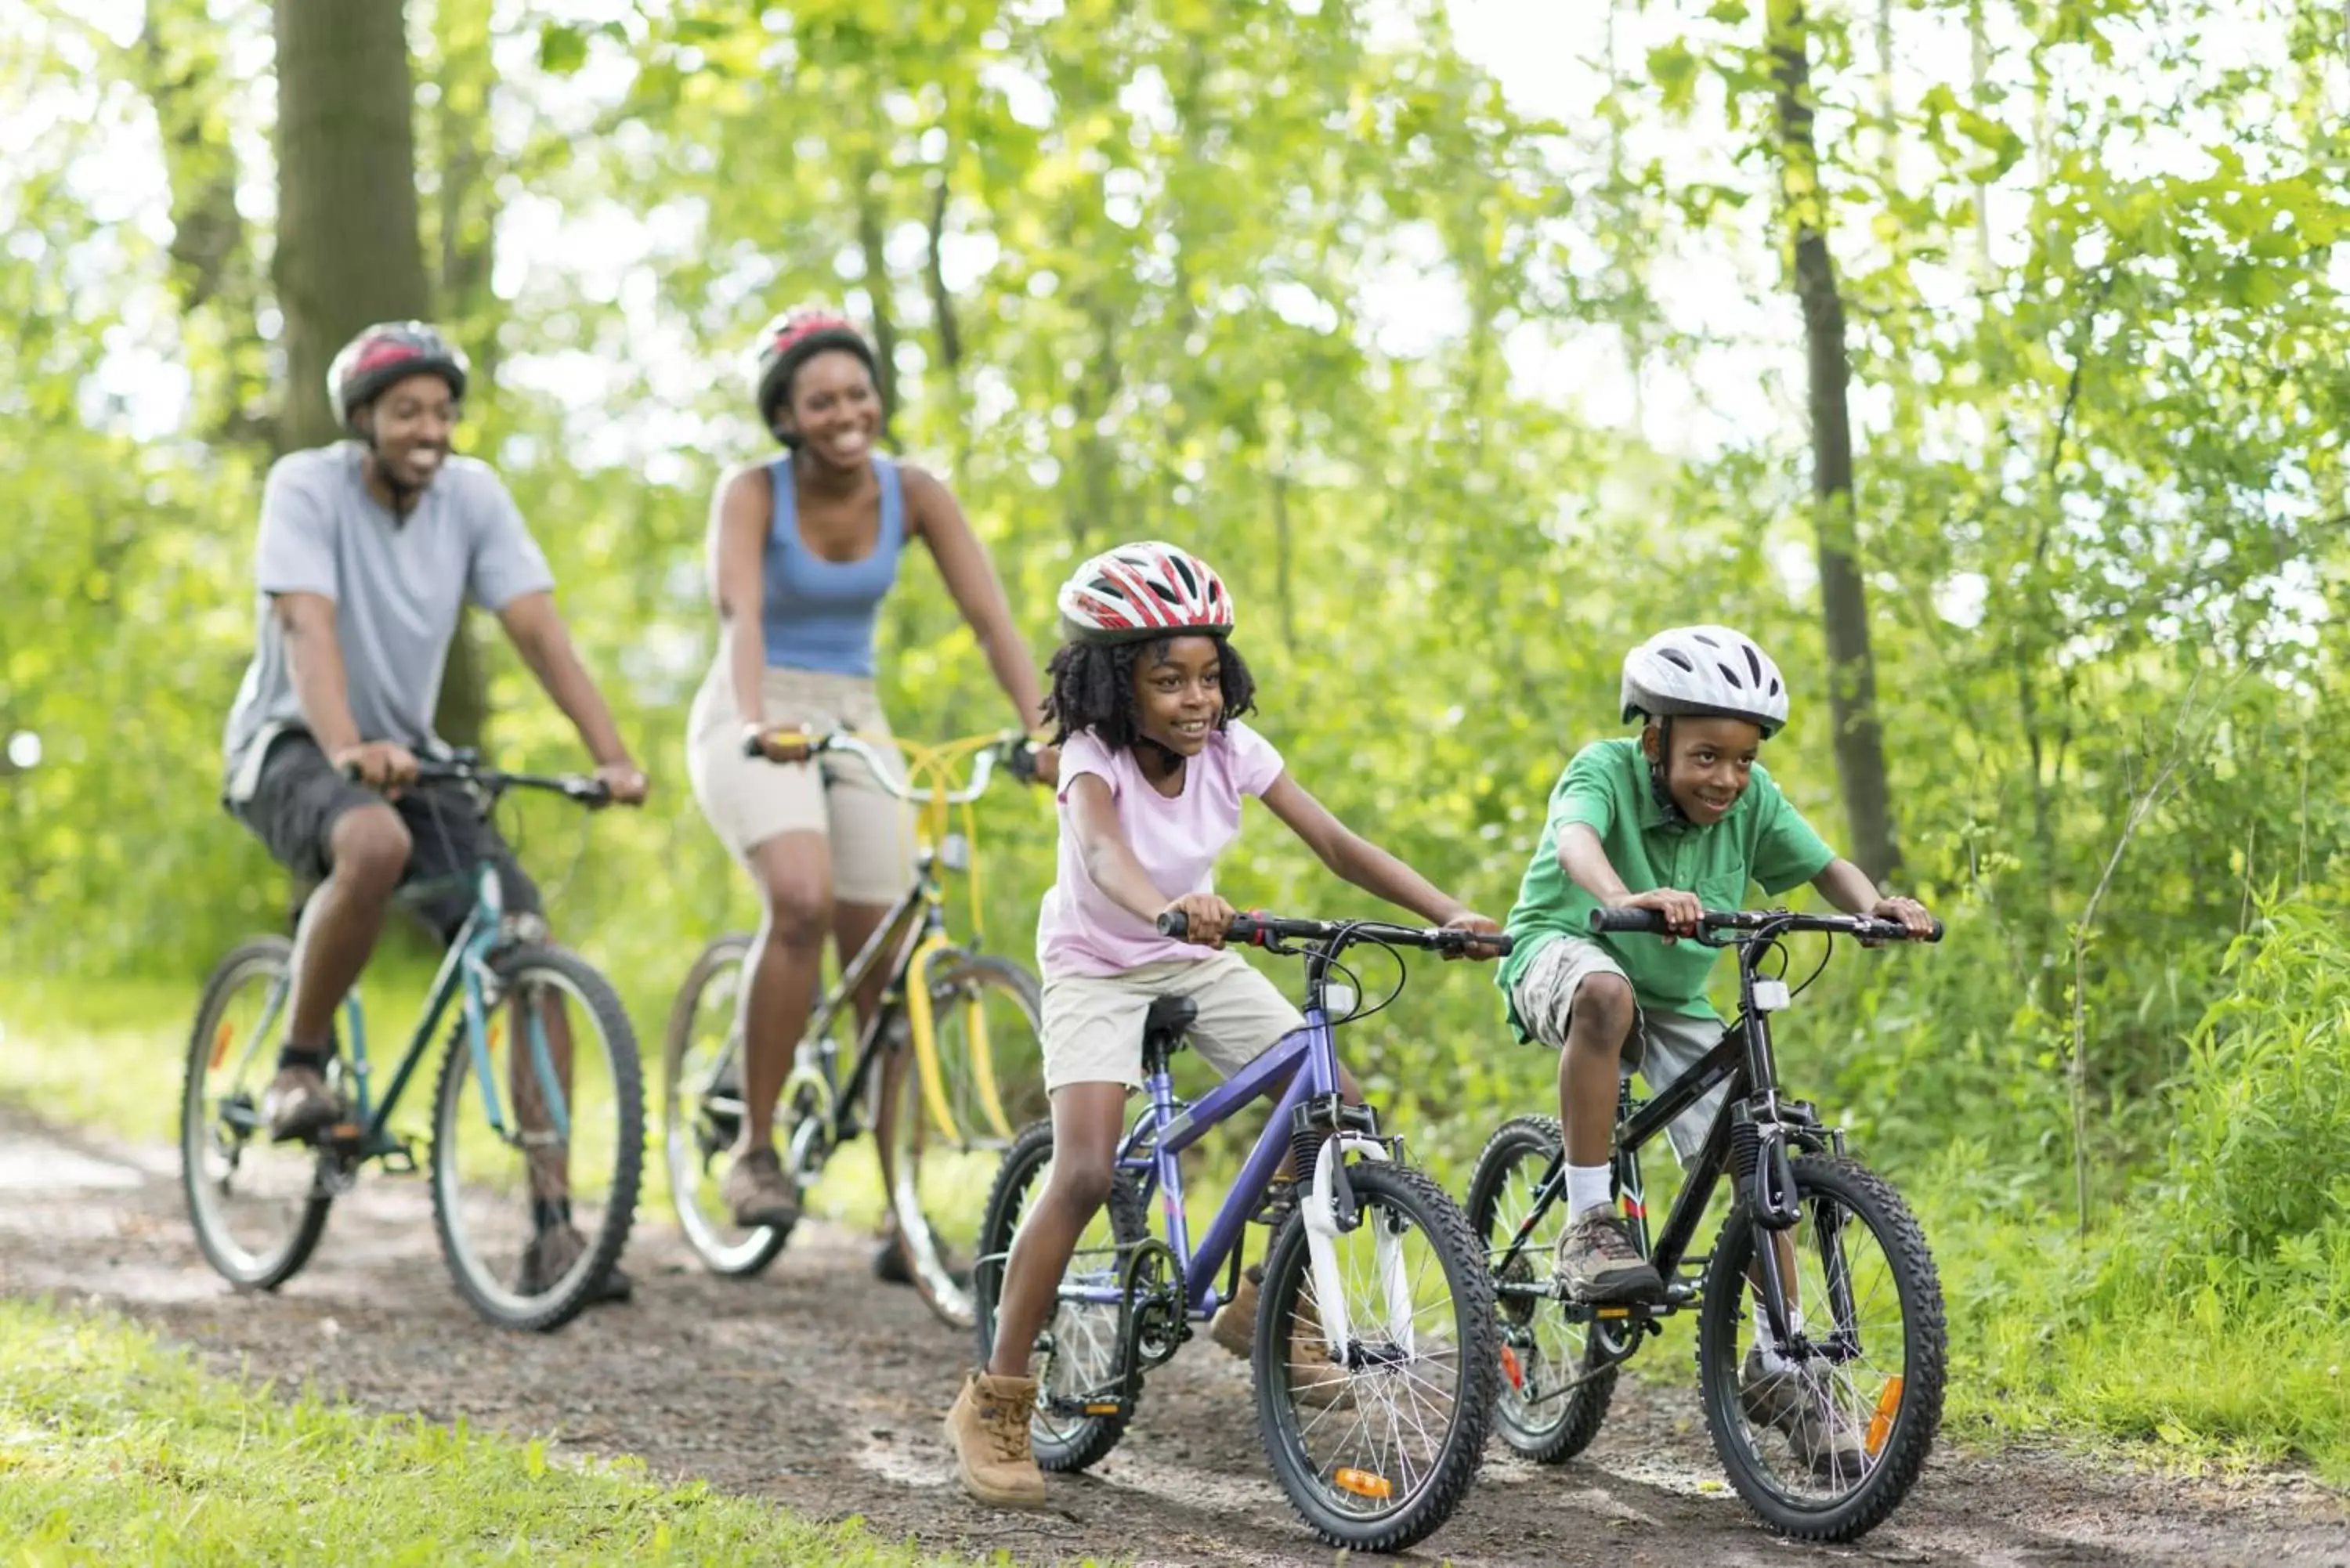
(221, 1038)
(497, 1031)
(1613, 1312)
(1880, 1425)
(1511, 1369)
(1363, 1483)
(1102, 1410)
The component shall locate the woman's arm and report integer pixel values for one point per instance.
(741, 512)
(932, 513)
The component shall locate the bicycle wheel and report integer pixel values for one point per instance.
(534, 1204)
(984, 1010)
(258, 1207)
(701, 1111)
(1382, 1459)
(1557, 1375)
(1827, 1448)
(1078, 1352)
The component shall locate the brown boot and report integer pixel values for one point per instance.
(1317, 1381)
(988, 1429)
(1235, 1326)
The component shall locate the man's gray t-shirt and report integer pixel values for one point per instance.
(399, 587)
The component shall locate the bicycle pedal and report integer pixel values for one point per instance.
(399, 1159)
(1068, 1404)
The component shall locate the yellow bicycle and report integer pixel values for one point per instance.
(923, 1071)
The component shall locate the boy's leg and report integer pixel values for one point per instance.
(1575, 997)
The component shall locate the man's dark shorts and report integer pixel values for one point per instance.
(300, 796)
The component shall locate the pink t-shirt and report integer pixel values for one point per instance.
(1081, 929)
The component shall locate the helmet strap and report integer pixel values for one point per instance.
(1659, 766)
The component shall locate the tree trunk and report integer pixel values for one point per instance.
(870, 238)
(1851, 675)
(348, 251)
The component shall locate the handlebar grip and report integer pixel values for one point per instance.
(1936, 935)
(1626, 920)
(1174, 923)
(1021, 759)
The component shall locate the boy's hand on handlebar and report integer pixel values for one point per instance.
(1909, 912)
(1207, 915)
(1680, 910)
(1470, 920)
(625, 782)
(383, 764)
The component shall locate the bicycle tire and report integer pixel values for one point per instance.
(261, 955)
(1415, 1199)
(1580, 1405)
(1866, 1195)
(680, 1152)
(482, 1292)
(902, 1126)
(1086, 1439)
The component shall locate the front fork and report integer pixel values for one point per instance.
(1327, 1208)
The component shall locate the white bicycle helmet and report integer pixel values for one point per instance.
(1704, 672)
(1146, 589)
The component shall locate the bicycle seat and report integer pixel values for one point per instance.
(1163, 1028)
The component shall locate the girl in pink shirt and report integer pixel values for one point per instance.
(1147, 698)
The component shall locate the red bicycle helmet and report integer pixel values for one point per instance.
(1142, 590)
(790, 341)
(387, 352)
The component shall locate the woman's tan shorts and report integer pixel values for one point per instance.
(750, 800)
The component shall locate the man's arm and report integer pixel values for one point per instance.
(314, 657)
(539, 636)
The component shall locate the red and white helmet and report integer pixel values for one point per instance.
(1142, 590)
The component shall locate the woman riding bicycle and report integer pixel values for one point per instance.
(802, 552)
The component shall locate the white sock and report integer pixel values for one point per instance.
(1586, 1188)
(1773, 1361)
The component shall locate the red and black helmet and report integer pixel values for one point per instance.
(790, 341)
(387, 352)
(1144, 590)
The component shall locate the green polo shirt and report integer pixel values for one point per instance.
(1763, 839)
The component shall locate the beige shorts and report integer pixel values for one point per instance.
(1093, 1023)
(1662, 1045)
(750, 800)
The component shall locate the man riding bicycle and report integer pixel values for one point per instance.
(368, 549)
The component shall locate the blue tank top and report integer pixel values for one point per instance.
(820, 614)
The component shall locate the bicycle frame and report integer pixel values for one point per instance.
(463, 977)
(1743, 1057)
(1166, 1128)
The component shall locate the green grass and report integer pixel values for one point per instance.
(116, 1449)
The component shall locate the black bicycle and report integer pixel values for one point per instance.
(1823, 1437)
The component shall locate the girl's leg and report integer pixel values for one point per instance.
(1087, 1121)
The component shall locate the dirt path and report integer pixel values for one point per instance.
(822, 1390)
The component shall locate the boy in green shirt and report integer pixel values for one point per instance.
(1678, 821)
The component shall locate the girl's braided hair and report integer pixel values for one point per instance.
(1093, 688)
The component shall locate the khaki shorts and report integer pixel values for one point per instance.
(1662, 1045)
(1093, 1023)
(750, 800)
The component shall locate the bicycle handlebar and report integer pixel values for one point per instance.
(1260, 930)
(1866, 926)
(1012, 751)
(462, 769)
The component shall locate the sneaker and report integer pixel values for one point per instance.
(1798, 1402)
(988, 1430)
(298, 1106)
(758, 1191)
(549, 1257)
(1599, 1262)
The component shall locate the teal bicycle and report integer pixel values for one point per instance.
(537, 1135)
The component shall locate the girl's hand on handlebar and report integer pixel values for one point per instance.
(1478, 925)
(625, 781)
(777, 745)
(1046, 763)
(1207, 915)
(1680, 910)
